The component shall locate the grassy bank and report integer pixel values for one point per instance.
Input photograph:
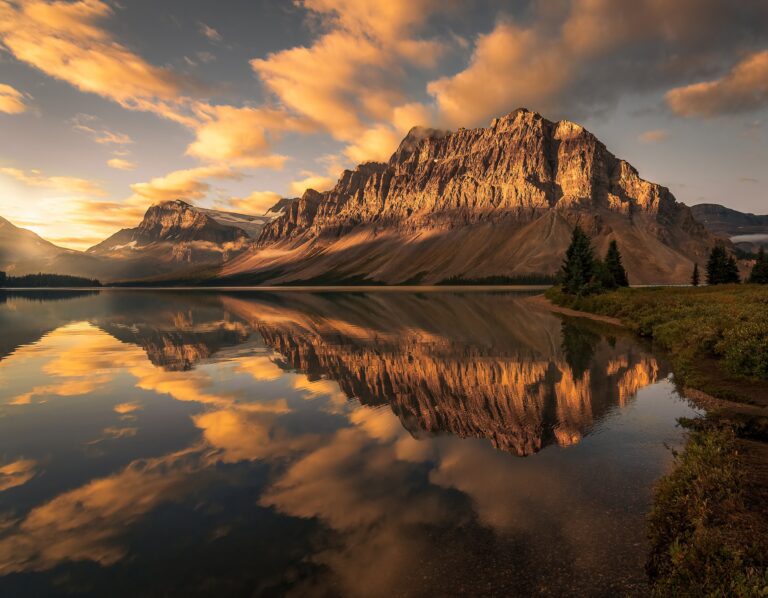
(704, 539)
(709, 524)
(717, 336)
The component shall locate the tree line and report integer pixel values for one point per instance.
(723, 269)
(41, 280)
(582, 273)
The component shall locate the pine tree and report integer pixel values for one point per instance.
(721, 267)
(578, 270)
(759, 273)
(695, 276)
(614, 266)
(3, 278)
(732, 271)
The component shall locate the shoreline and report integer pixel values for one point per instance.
(298, 288)
(708, 525)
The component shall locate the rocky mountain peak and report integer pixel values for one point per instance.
(497, 200)
(176, 220)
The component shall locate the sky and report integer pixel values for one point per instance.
(109, 106)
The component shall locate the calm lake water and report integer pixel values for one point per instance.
(324, 444)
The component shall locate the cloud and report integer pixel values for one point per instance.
(653, 136)
(16, 473)
(121, 164)
(350, 80)
(86, 123)
(376, 143)
(12, 101)
(743, 88)
(127, 408)
(185, 184)
(314, 181)
(66, 184)
(242, 136)
(209, 32)
(747, 179)
(258, 202)
(579, 56)
(65, 41)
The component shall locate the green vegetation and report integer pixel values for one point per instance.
(701, 541)
(721, 267)
(695, 277)
(45, 281)
(727, 324)
(759, 273)
(617, 275)
(583, 274)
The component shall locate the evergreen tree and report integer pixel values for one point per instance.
(578, 270)
(732, 270)
(721, 267)
(614, 266)
(3, 278)
(759, 273)
(695, 276)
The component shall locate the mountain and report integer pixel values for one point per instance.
(24, 252)
(477, 203)
(252, 225)
(747, 231)
(174, 237)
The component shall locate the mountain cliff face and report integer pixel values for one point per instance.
(495, 201)
(172, 236)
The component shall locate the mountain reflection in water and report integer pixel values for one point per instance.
(323, 444)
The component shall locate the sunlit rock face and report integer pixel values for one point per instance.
(174, 236)
(440, 375)
(495, 201)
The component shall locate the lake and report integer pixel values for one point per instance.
(324, 444)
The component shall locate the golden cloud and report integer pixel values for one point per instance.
(257, 202)
(66, 184)
(185, 184)
(513, 66)
(242, 136)
(376, 143)
(314, 181)
(365, 49)
(744, 87)
(87, 123)
(16, 473)
(65, 41)
(653, 136)
(12, 101)
(121, 164)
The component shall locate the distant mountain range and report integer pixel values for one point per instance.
(174, 237)
(476, 204)
(746, 231)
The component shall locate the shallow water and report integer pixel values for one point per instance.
(324, 444)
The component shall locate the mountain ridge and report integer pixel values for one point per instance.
(477, 203)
